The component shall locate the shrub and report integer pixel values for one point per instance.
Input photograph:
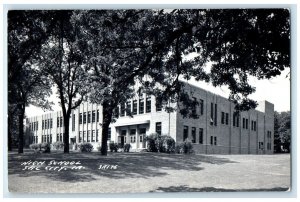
(168, 144)
(151, 144)
(160, 143)
(45, 147)
(113, 147)
(187, 147)
(85, 147)
(178, 149)
(35, 147)
(58, 145)
(127, 147)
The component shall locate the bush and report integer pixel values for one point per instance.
(58, 145)
(113, 147)
(127, 147)
(160, 143)
(45, 147)
(151, 142)
(185, 147)
(168, 144)
(35, 147)
(85, 147)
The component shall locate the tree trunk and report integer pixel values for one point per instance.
(66, 136)
(107, 115)
(21, 128)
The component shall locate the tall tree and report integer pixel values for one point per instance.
(62, 61)
(157, 47)
(27, 30)
(282, 131)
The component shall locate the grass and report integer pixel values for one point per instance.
(150, 172)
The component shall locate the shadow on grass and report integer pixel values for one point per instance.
(130, 165)
(213, 189)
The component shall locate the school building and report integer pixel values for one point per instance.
(218, 130)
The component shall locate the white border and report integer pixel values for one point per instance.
(159, 4)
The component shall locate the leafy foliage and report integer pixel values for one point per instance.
(282, 131)
(113, 147)
(160, 143)
(185, 147)
(85, 147)
(127, 147)
(58, 145)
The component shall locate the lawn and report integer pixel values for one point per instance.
(146, 172)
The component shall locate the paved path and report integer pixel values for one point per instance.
(148, 172)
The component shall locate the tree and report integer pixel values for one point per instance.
(27, 30)
(154, 48)
(282, 131)
(62, 62)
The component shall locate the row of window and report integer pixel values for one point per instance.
(60, 121)
(88, 117)
(33, 126)
(46, 124)
(193, 134)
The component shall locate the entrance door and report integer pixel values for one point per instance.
(123, 134)
(142, 135)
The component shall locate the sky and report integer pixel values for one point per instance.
(275, 90)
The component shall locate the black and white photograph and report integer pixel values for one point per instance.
(127, 101)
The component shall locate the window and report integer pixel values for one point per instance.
(211, 113)
(37, 125)
(141, 104)
(93, 135)
(141, 138)
(61, 122)
(80, 118)
(97, 115)
(261, 145)
(128, 107)
(244, 123)
(57, 137)
(80, 136)
(194, 109)
(84, 117)
(193, 135)
(109, 134)
(73, 122)
(216, 107)
(43, 125)
(158, 105)
(222, 117)
(132, 135)
(185, 132)
(200, 135)
(158, 128)
(46, 124)
(93, 116)
(89, 117)
(97, 132)
(215, 140)
(201, 106)
(84, 136)
(51, 123)
(57, 122)
(122, 109)
(61, 138)
(148, 103)
(134, 110)
(211, 140)
(227, 117)
(88, 136)
(50, 138)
